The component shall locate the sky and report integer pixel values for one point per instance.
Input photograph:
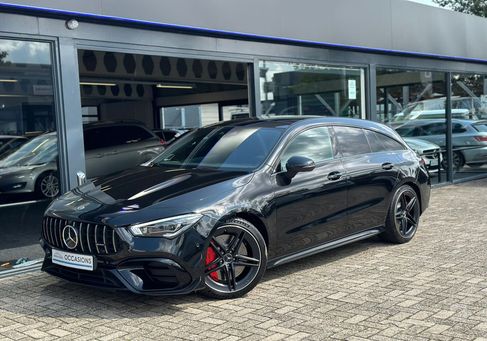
(426, 2)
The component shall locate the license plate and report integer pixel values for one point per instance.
(73, 260)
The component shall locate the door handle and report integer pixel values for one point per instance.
(387, 165)
(334, 175)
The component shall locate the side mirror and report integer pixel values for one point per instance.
(297, 164)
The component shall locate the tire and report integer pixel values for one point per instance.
(458, 161)
(403, 216)
(47, 185)
(235, 260)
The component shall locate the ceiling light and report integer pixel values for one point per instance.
(97, 84)
(174, 86)
(8, 81)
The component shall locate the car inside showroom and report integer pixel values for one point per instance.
(86, 93)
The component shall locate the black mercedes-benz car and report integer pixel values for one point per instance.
(227, 201)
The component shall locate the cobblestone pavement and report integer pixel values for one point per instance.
(432, 288)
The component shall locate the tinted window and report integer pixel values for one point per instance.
(110, 136)
(435, 129)
(351, 141)
(380, 142)
(457, 128)
(130, 134)
(313, 143)
(226, 148)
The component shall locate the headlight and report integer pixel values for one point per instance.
(167, 227)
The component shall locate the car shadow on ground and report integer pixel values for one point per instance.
(87, 302)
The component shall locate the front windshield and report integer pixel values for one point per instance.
(241, 148)
(39, 150)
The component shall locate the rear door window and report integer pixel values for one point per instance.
(351, 141)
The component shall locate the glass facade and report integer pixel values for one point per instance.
(469, 125)
(133, 104)
(29, 177)
(413, 103)
(308, 89)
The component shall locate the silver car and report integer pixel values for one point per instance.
(108, 148)
(430, 152)
(469, 138)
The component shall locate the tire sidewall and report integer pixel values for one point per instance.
(392, 228)
(39, 181)
(251, 229)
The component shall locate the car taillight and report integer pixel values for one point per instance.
(162, 141)
(481, 138)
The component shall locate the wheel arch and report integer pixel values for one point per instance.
(257, 222)
(415, 187)
(251, 217)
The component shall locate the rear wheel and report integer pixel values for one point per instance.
(235, 260)
(403, 216)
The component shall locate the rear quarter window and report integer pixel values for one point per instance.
(351, 141)
(380, 142)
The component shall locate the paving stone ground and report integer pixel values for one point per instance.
(434, 288)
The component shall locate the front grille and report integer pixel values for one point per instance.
(97, 239)
(432, 152)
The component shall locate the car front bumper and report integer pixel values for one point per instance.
(151, 266)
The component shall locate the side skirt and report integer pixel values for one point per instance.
(324, 247)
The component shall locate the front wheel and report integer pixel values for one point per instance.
(403, 216)
(48, 185)
(235, 260)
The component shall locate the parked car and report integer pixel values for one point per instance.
(431, 114)
(225, 202)
(469, 138)
(109, 148)
(9, 143)
(430, 152)
(462, 107)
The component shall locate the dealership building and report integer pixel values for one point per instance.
(88, 88)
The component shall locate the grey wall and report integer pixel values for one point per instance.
(383, 24)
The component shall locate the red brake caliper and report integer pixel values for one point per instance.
(210, 257)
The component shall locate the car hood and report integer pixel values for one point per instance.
(18, 169)
(419, 144)
(146, 192)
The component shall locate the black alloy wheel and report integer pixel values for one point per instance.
(235, 260)
(403, 217)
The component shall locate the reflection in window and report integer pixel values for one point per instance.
(414, 103)
(306, 89)
(469, 134)
(29, 176)
(314, 144)
(351, 141)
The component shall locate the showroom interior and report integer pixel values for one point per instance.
(108, 94)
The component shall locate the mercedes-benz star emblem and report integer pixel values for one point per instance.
(70, 237)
